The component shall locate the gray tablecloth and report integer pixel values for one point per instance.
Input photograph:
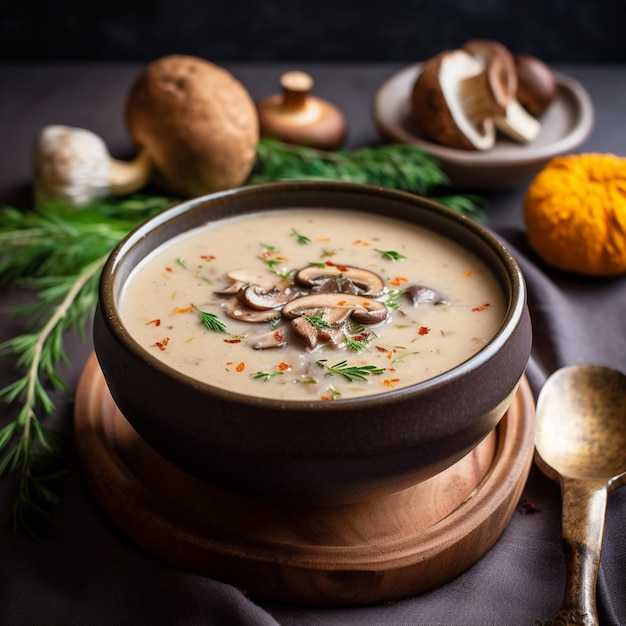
(84, 571)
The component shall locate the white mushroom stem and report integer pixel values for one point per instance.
(517, 123)
(74, 165)
(514, 121)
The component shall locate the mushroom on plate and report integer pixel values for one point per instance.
(516, 122)
(536, 85)
(197, 123)
(74, 165)
(455, 98)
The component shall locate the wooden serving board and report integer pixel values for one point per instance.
(384, 549)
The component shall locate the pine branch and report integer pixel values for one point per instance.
(396, 166)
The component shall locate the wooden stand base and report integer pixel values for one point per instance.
(379, 550)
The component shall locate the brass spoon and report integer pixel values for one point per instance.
(581, 443)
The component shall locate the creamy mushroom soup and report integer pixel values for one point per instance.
(312, 304)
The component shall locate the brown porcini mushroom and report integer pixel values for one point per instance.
(74, 165)
(536, 85)
(454, 100)
(295, 116)
(197, 123)
(341, 279)
(516, 122)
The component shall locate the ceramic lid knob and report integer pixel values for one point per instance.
(295, 116)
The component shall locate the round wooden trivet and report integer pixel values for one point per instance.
(384, 549)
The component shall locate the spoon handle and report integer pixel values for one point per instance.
(582, 521)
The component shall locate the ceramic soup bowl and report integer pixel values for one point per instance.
(332, 444)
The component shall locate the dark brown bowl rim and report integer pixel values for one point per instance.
(513, 316)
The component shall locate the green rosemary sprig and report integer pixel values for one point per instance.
(57, 252)
(212, 321)
(397, 166)
(349, 372)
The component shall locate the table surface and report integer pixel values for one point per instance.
(84, 571)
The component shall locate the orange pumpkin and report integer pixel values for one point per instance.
(575, 214)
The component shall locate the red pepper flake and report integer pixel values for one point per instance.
(424, 330)
(529, 508)
(161, 345)
(360, 242)
(156, 322)
(396, 281)
(360, 337)
(207, 257)
(279, 335)
(341, 268)
(168, 269)
(390, 382)
(283, 367)
(467, 273)
(233, 340)
(388, 352)
(325, 398)
(341, 303)
(183, 309)
(481, 307)
(240, 367)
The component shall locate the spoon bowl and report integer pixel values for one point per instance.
(580, 443)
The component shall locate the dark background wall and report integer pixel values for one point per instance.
(282, 30)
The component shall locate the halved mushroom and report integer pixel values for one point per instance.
(341, 279)
(455, 98)
(238, 311)
(516, 122)
(313, 336)
(244, 278)
(363, 310)
(257, 297)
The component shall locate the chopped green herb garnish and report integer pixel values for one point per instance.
(317, 321)
(404, 355)
(302, 239)
(393, 298)
(265, 376)
(392, 255)
(358, 342)
(211, 321)
(349, 372)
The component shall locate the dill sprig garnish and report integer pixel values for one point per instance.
(211, 321)
(349, 372)
(57, 252)
(396, 166)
